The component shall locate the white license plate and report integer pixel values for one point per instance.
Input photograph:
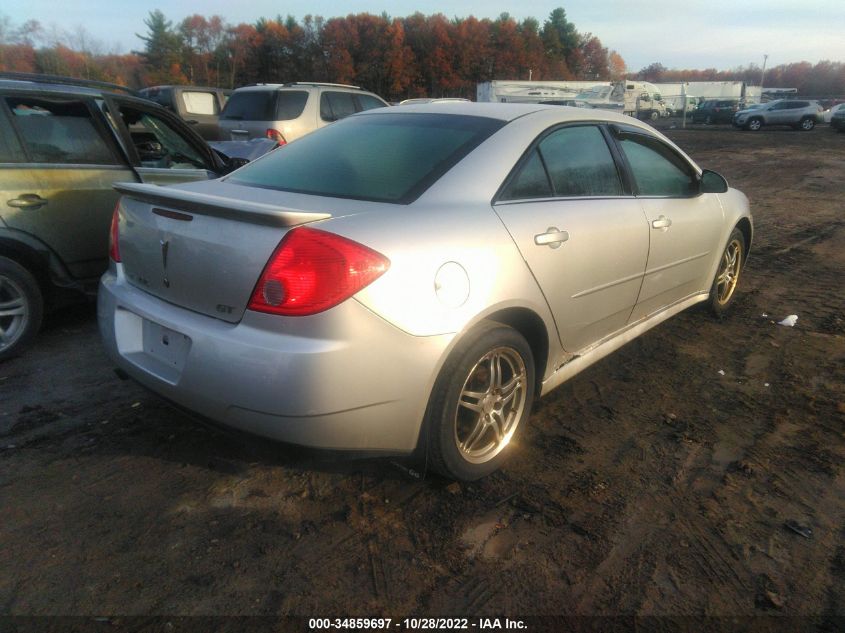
(165, 345)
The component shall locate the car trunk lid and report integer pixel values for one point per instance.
(200, 251)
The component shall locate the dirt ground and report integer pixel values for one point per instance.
(661, 481)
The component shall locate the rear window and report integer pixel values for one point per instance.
(290, 104)
(250, 105)
(200, 102)
(387, 158)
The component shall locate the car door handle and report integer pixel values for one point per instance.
(27, 201)
(661, 223)
(553, 237)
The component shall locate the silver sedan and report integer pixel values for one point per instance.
(414, 278)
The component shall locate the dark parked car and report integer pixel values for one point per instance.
(837, 120)
(715, 111)
(196, 105)
(63, 144)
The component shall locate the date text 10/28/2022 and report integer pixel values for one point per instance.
(415, 624)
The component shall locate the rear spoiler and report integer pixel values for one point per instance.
(218, 206)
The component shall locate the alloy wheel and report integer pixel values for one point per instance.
(729, 270)
(490, 405)
(14, 313)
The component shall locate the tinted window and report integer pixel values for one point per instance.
(59, 132)
(10, 149)
(336, 105)
(290, 104)
(657, 170)
(199, 102)
(368, 102)
(158, 143)
(391, 157)
(580, 163)
(250, 105)
(531, 181)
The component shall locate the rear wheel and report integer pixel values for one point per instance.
(723, 290)
(754, 125)
(482, 397)
(21, 308)
(708, 120)
(807, 124)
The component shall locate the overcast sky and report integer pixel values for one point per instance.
(719, 34)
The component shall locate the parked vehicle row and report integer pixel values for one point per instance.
(64, 143)
(393, 282)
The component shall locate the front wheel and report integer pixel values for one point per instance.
(807, 124)
(21, 308)
(723, 290)
(754, 125)
(482, 397)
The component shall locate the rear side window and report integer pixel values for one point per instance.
(290, 104)
(531, 181)
(657, 170)
(579, 163)
(368, 102)
(250, 105)
(199, 102)
(59, 131)
(336, 105)
(383, 158)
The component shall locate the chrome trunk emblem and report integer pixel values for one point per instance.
(165, 245)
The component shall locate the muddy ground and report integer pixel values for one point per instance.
(651, 484)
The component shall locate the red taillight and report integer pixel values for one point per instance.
(114, 246)
(311, 271)
(275, 135)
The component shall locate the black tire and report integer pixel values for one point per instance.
(21, 308)
(468, 441)
(708, 120)
(807, 124)
(723, 288)
(654, 116)
(754, 124)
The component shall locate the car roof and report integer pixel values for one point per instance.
(506, 111)
(49, 87)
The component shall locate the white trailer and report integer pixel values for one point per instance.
(516, 91)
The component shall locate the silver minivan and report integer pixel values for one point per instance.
(284, 112)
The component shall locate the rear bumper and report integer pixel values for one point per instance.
(342, 379)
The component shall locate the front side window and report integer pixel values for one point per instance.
(59, 131)
(657, 170)
(158, 143)
(200, 102)
(10, 149)
(378, 157)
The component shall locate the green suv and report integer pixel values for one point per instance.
(63, 144)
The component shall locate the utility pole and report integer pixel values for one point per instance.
(763, 74)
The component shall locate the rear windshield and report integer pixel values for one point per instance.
(250, 105)
(383, 158)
